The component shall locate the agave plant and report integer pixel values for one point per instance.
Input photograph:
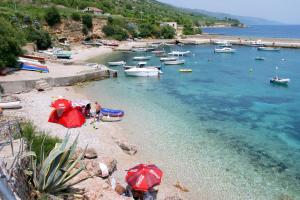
(52, 174)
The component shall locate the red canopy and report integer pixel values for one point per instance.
(143, 177)
(62, 104)
(72, 118)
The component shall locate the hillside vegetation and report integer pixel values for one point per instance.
(40, 21)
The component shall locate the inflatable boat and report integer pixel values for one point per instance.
(110, 115)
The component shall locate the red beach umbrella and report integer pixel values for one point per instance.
(143, 177)
(62, 104)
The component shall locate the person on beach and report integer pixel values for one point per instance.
(1, 111)
(87, 111)
(98, 111)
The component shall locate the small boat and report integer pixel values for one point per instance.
(34, 67)
(62, 54)
(145, 71)
(142, 58)
(179, 53)
(280, 81)
(175, 62)
(37, 58)
(268, 49)
(225, 50)
(10, 105)
(117, 63)
(139, 49)
(168, 59)
(158, 51)
(110, 115)
(140, 65)
(185, 70)
(28, 60)
(259, 58)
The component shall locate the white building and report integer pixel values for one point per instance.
(172, 24)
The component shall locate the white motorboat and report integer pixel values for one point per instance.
(141, 58)
(168, 58)
(145, 71)
(117, 63)
(139, 49)
(10, 105)
(268, 49)
(139, 65)
(225, 50)
(175, 62)
(179, 53)
(280, 81)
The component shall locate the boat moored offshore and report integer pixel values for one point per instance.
(268, 49)
(117, 63)
(179, 53)
(145, 71)
(140, 58)
(175, 62)
(225, 50)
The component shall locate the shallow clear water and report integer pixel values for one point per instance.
(269, 31)
(223, 130)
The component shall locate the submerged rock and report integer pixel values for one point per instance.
(181, 187)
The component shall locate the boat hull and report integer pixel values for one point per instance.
(10, 105)
(141, 72)
(117, 63)
(174, 63)
(268, 49)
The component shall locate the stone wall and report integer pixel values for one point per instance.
(10, 87)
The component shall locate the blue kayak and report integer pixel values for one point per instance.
(112, 113)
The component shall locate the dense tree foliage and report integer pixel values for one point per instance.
(41, 38)
(167, 32)
(75, 16)
(11, 41)
(87, 20)
(52, 16)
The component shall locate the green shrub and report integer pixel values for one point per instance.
(87, 20)
(36, 138)
(116, 32)
(51, 176)
(52, 16)
(11, 40)
(41, 38)
(146, 30)
(75, 16)
(167, 32)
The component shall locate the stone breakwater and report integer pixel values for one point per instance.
(18, 86)
(245, 41)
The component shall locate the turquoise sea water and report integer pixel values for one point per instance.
(223, 130)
